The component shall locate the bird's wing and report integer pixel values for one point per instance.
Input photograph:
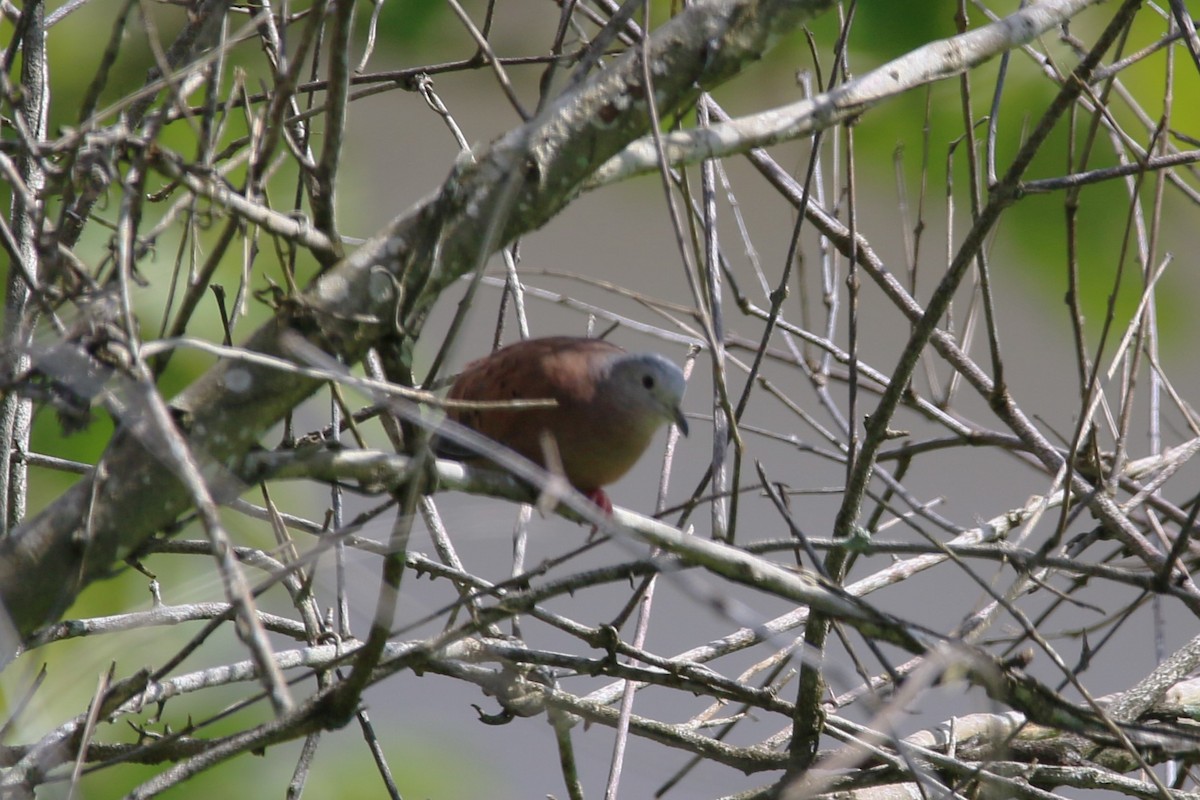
(555, 368)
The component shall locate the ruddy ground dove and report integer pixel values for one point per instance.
(609, 405)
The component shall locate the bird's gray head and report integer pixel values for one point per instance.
(649, 383)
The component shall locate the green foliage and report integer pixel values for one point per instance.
(407, 23)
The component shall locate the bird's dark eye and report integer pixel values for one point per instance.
(648, 381)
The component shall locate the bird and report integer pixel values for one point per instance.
(610, 403)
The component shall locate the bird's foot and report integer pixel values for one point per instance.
(598, 497)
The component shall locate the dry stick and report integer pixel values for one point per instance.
(925, 328)
(456, 659)
(187, 252)
(489, 57)
(203, 20)
(450, 340)
(308, 752)
(1005, 406)
(89, 727)
(1076, 179)
(1091, 395)
(618, 18)
(91, 97)
(568, 764)
(237, 590)
(210, 187)
(245, 671)
(704, 316)
(322, 184)
(713, 341)
(915, 233)
(1011, 180)
(325, 174)
(1147, 335)
(646, 592)
(927, 64)
(177, 85)
(245, 205)
(974, 194)
(377, 83)
(1149, 304)
(734, 414)
(20, 307)
(724, 512)
(729, 562)
(148, 410)
(293, 127)
(1143, 324)
(1107, 76)
(831, 293)
(807, 721)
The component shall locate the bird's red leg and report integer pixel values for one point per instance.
(598, 497)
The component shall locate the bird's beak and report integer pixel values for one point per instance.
(679, 419)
